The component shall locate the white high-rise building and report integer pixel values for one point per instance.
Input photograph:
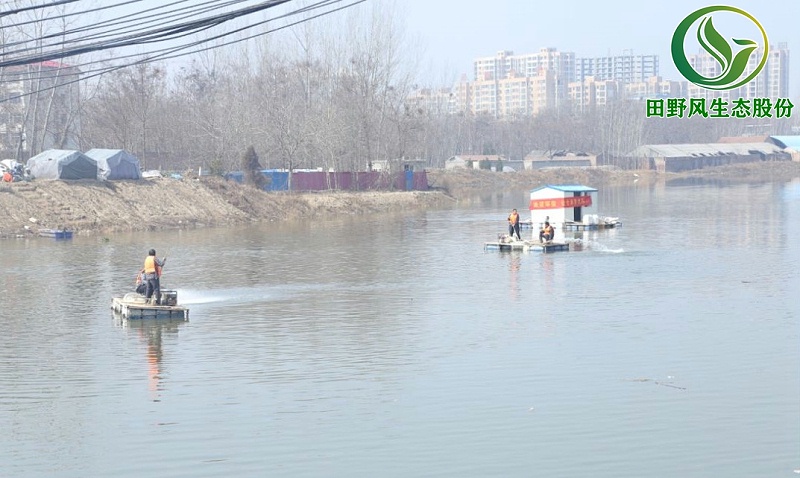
(772, 82)
(518, 85)
(625, 68)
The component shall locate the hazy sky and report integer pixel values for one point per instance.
(454, 32)
(450, 34)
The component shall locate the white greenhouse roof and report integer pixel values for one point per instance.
(703, 150)
(567, 188)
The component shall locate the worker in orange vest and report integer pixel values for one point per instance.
(152, 274)
(513, 224)
(546, 233)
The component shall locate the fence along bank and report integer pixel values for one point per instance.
(279, 180)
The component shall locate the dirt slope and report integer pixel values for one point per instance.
(91, 207)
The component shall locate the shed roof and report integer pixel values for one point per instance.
(786, 141)
(560, 154)
(702, 149)
(743, 139)
(567, 188)
(477, 157)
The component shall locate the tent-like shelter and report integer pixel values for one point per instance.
(62, 164)
(115, 164)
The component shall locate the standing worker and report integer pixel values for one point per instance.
(152, 274)
(513, 224)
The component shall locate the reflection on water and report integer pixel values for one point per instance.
(346, 348)
(151, 332)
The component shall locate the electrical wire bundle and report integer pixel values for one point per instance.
(167, 31)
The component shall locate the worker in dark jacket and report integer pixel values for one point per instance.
(152, 274)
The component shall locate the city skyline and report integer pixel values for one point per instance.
(509, 84)
(476, 29)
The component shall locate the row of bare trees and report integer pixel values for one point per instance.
(335, 98)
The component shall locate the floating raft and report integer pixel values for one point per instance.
(135, 306)
(526, 246)
(56, 233)
(579, 226)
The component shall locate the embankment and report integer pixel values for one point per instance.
(92, 207)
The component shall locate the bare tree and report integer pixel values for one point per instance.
(123, 114)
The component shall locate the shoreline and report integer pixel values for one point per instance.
(102, 207)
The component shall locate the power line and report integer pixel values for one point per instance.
(76, 69)
(148, 36)
(176, 52)
(128, 20)
(35, 7)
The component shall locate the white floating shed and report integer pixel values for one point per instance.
(561, 204)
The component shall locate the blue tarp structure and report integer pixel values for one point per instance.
(276, 180)
(115, 164)
(62, 164)
(792, 141)
(342, 181)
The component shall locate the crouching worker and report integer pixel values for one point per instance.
(152, 274)
(546, 233)
(141, 283)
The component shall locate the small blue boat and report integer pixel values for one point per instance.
(56, 233)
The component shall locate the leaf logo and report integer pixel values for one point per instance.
(733, 66)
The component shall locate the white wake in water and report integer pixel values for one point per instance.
(595, 246)
(244, 295)
(193, 297)
(237, 295)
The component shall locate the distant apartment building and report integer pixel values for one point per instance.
(435, 101)
(505, 62)
(772, 82)
(548, 92)
(508, 85)
(462, 96)
(518, 85)
(484, 97)
(493, 67)
(625, 68)
(514, 96)
(655, 87)
(592, 92)
(39, 108)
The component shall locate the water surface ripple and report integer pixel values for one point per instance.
(394, 345)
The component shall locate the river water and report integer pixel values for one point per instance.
(394, 345)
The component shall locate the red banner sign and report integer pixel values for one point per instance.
(561, 203)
